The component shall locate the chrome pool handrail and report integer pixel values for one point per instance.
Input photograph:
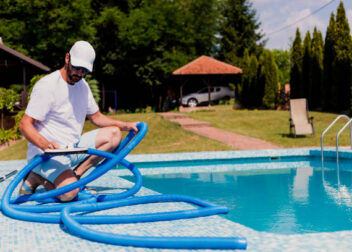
(326, 130)
(337, 139)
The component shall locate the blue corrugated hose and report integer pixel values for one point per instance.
(85, 202)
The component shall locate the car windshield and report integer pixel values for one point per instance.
(205, 90)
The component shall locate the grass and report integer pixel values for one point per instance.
(273, 126)
(166, 137)
(162, 137)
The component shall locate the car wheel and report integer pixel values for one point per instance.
(192, 102)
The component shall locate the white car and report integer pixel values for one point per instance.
(201, 96)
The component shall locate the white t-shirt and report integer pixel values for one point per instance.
(60, 110)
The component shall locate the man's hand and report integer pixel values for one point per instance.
(130, 126)
(100, 120)
(32, 135)
(51, 145)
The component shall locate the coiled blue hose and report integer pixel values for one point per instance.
(91, 203)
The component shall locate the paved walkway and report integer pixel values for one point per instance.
(204, 128)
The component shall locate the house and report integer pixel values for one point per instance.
(17, 68)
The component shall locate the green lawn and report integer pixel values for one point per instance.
(162, 137)
(165, 137)
(273, 126)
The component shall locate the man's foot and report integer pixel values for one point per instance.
(30, 183)
(89, 190)
(25, 189)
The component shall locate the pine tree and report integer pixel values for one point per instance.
(342, 63)
(329, 92)
(238, 30)
(270, 76)
(245, 82)
(296, 66)
(315, 93)
(259, 93)
(306, 67)
(253, 79)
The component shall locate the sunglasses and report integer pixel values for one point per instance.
(84, 70)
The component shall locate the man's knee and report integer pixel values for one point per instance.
(65, 178)
(111, 136)
(116, 134)
(69, 195)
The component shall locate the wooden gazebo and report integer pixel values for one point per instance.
(207, 68)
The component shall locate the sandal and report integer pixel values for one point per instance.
(25, 189)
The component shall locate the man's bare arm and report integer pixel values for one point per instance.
(32, 135)
(102, 120)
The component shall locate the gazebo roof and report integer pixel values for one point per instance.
(206, 65)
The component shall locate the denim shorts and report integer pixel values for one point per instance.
(56, 165)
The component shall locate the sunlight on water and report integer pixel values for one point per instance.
(285, 201)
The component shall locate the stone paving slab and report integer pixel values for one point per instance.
(234, 140)
(170, 115)
(204, 129)
(189, 122)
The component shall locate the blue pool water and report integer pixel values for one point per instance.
(283, 201)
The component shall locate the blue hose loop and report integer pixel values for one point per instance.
(86, 202)
(205, 209)
(103, 168)
(133, 190)
(73, 224)
(84, 197)
(51, 218)
(51, 194)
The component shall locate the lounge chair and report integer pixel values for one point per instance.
(300, 121)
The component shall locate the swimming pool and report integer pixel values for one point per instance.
(282, 201)
(17, 235)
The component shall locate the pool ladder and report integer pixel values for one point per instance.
(349, 121)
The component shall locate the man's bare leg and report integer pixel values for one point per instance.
(34, 180)
(67, 177)
(107, 140)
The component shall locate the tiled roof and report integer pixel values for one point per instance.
(207, 65)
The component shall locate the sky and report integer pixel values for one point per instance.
(274, 15)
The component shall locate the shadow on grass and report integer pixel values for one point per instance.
(291, 136)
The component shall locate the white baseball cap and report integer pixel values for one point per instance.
(82, 55)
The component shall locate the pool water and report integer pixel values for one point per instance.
(283, 201)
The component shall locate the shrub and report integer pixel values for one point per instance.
(8, 98)
(94, 87)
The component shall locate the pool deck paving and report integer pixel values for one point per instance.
(205, 129)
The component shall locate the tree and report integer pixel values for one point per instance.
(141, 46)
(306, 67)
(243, 91)
(269, 75)
(45, 30)
(329, 95)
(282, 60)
(238, 30)
(315, 93)
(253, 80)
(342, 62)
(138, 42)
(296, 66)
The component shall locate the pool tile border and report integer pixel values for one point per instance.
(27, 236)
